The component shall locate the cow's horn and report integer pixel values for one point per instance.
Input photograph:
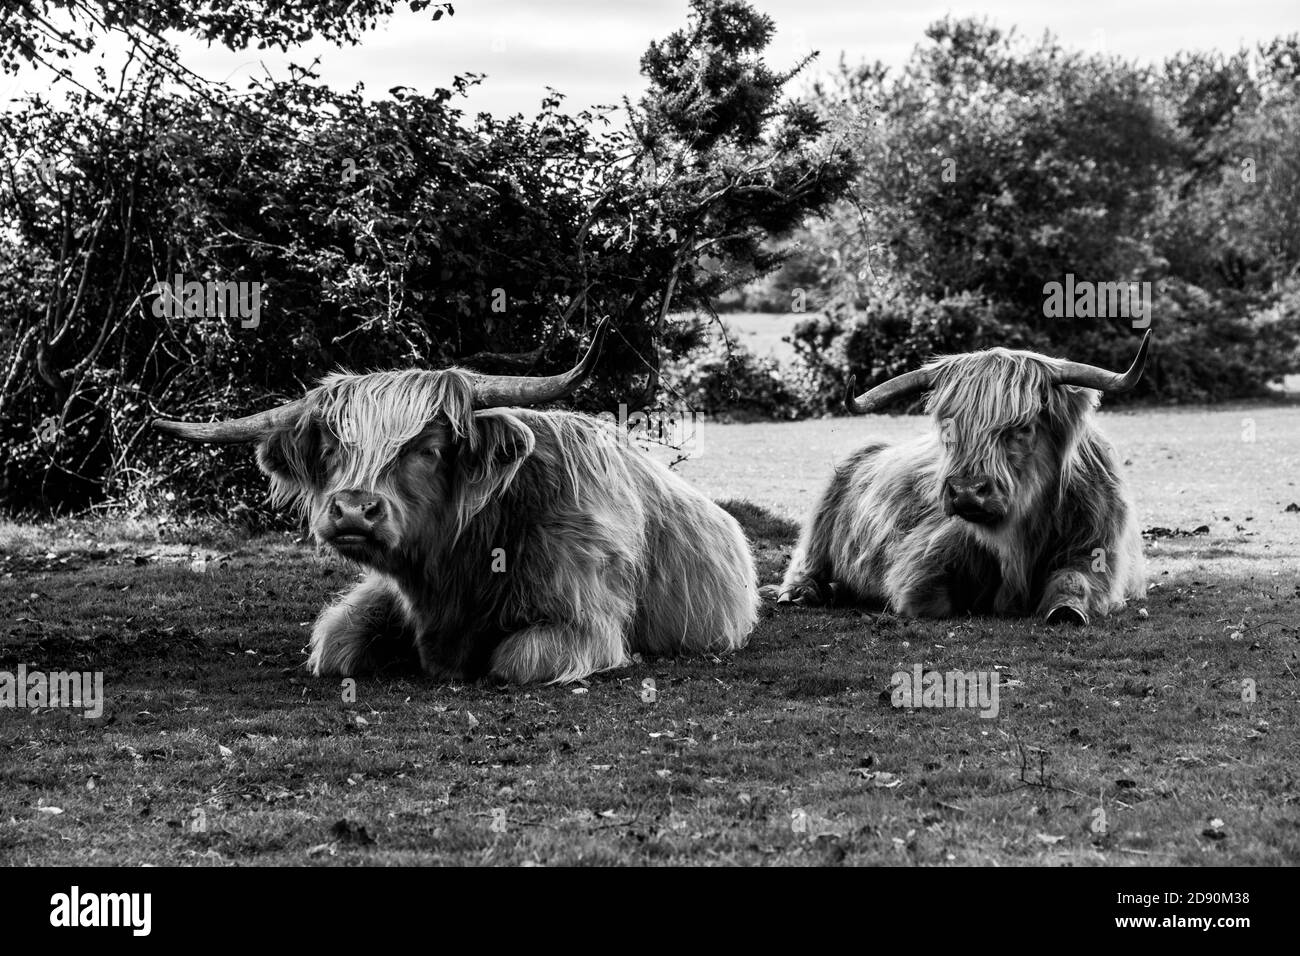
(490, 391)
(1090, 376)
(236, 430)
(909, 383)
(495, 391)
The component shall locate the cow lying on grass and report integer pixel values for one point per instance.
(1012, 504)
(529, 545)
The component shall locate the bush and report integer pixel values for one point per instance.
(992, 166)
(734, 383)
(388, 233)
(1203, 351)
(892, 334)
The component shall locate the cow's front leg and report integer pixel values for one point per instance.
(930, 599)
(559, 653)
(807, 578)
(365, 630)
(920, 589)
(1072, 596)
(949, 580)
(801, 590)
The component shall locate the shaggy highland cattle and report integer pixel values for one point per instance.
(1012, 505)
(528, 545)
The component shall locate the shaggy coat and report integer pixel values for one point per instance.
(1065, 544)
(528, 545)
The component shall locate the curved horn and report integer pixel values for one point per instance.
(1090, 376)
(495, 391)
(236, 430)
(909, 383)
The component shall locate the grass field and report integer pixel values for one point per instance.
(1127, 742)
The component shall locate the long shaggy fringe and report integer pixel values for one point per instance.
(375, 415)
(985, 393)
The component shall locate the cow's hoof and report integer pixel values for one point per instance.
(1067, 614)
(803, 595)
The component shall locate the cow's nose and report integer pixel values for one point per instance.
(969, 494)
(357, 510)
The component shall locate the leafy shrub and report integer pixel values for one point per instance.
(389, 233)
(891, 335)
(734, 383)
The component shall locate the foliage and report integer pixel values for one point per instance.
(728, 381)
(895, 333)
(43, 31)
(992, 167)
(390, 233)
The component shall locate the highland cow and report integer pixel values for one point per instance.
(526, 545)
(1012, 505)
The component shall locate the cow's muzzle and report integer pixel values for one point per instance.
(354, 520)
(971, 499)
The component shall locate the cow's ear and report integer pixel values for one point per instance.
(288, 455)
(490, 459)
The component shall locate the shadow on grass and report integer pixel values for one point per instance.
(761, 525)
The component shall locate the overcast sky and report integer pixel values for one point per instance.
(591, 49)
